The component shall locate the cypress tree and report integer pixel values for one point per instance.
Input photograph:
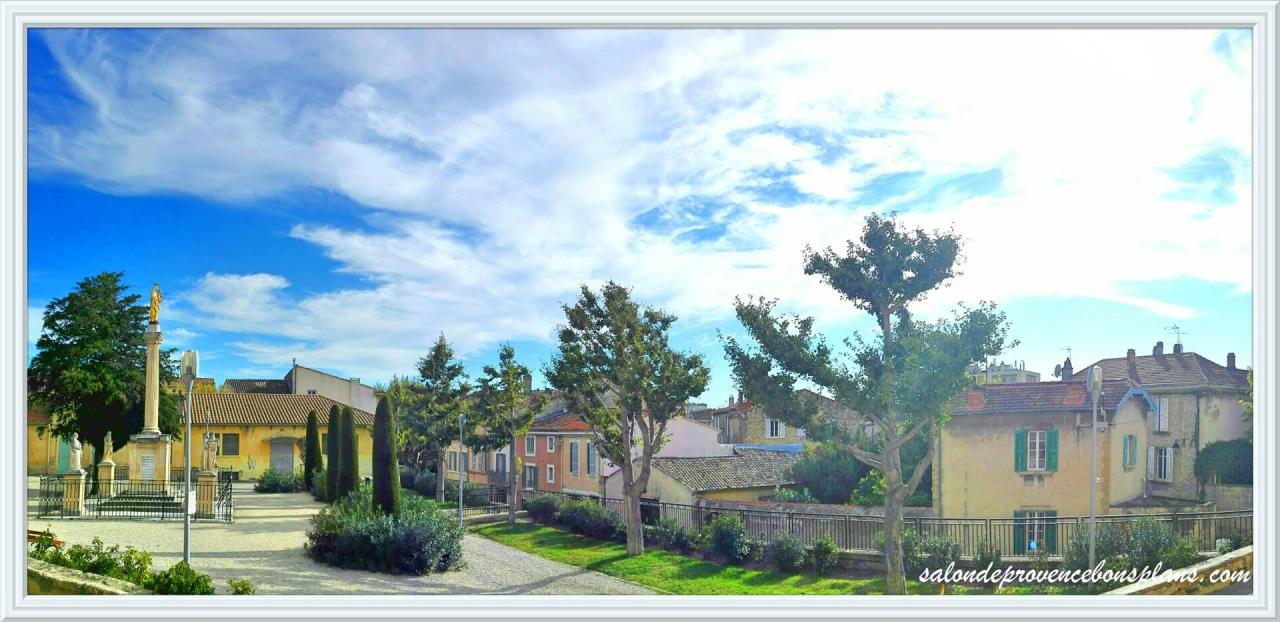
(311, 460)
(331, 447)
(349, 466)
(386, 473)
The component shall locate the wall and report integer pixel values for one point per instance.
(45, 579)
(344, 390)
(582, 483)
(1124, 484)
(754, 431)
(738, 494)
(42, 452)
(661, 486)
(255, 448)
(809, 508)
(1236, 561)
(1230, 496)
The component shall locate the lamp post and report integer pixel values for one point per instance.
(1095, 389)
(189, 368)
(462, 468)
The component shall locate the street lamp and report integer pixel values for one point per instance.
(1095, 390)
(462, 468)
(188, 371)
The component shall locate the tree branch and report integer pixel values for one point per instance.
(921, 466)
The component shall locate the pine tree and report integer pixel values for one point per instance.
(349, 466)
(386, 473)
(335, 458)
(311, 460)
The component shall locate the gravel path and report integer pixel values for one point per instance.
(264, 545)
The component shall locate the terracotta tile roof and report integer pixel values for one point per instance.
(560, 421)
(1035, 397)
(243, 385)
(266, 409)
(1187, 368)
(747, 468)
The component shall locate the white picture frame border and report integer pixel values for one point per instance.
(18, 15)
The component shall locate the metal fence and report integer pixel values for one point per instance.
(862, 534)
(477, 499)
(133, 499)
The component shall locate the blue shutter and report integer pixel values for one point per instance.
(1052, 457)
(1051, 532)
(1020, 451)
(1019, 533)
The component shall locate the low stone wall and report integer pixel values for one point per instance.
(489, 518)
(1230, 496)
(1233, 562)
(809, 508)
(44, 578)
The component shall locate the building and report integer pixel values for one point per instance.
(1022, 450)
(686, 438)
(745, 475)
(46, 454)
(742, 423)
(1002, 373)
(301, 380)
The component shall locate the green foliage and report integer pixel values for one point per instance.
(785, 552)
(1230, 461)
(241, 587)
(273, 480)
(320, 486)
(1180, 555)
(181, 578)
(825, 555)
(870, 489)
(335, 458)
(671, 536)
(312, 461)
(435, 402)
(386, 475)
(828, 472)
(1112, 542)
(987, 554)
(793, 495)
(351, 533)
(727, 537)
(543, 508)
(927, 552)
(1147, 540)
(591, 519)
(1246, 409)
(348, 456)
(505, 409)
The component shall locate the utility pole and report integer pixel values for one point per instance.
(189, 368)
(1095, 389)
(462, 467)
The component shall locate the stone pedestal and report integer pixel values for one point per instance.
(150, 461)
(73, 492)
(206, 483)
(107, 478)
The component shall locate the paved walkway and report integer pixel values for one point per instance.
(264, 545)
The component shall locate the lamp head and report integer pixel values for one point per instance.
(189, 368)
(1094, 384)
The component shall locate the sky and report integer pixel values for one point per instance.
(343, 197)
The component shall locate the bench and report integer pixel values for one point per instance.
(33, 535)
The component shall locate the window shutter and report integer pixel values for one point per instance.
(1020, 451)
(1168, 464)
(1151, 462)
(1051, 532)
(1019, 532)
(1051, 458)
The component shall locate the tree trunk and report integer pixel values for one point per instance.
(895, 575)
(440, 475)
(635, 529)
(511, 482)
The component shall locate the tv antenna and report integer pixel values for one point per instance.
(1177, 332)
(1067, 350)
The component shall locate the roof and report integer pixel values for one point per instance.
(1186, 368)
(266, 409)
(37, 416)
(747, 468)
(1039, 397)
(243, 385)
(793, 448)
(561, 421)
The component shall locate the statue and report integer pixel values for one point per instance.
(156, 297)
(107, 448)
(76, 450)
(208, 460)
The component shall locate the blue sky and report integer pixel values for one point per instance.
(343, 197)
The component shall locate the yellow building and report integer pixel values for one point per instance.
(46, 455)
(747, 475)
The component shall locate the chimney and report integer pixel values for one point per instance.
(1131, 356)
(1231, 360)
(739, 397)
(731, 399)
(1066, 370)
(1158, 350)
(1177, 348)
(528, 383)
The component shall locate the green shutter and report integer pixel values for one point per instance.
(1019, 527)
(1020, 451)
(1051, 532)
(1052, 458)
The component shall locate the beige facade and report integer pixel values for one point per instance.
(306, 381)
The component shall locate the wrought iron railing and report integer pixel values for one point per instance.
(124, 499)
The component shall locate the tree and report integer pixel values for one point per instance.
(505, 409)
(348, 454)
(1246, 409)
(829, 471)
(619, 373)
(89, 370)
(403, 397)
(444, 391)
(386, 472)
(311, 460)
(900, 383)
(331, 445)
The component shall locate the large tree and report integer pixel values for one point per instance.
(505, 408)
(444, 397)
(619, 372)
(89, 370)
(900, 382)
(386, 470)
(332, 442)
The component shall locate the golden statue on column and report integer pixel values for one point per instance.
(156, 297)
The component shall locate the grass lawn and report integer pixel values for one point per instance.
(670, 573)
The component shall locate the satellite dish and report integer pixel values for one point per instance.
(1057, 371)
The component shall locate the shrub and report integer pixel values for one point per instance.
(1111, 543)
(987, 555)
(727, 537)
(931, 552)
(407, 475)
(786, 552)
(825, 555)
(311, 459)
(352, 533)
(543, 508)
(425, 484)
(386, 477)
(181, 578)
(331, 449)
(591, 519)
(273, 480)
(132, 565)
(1147, 541)
(348, 456)
(793, 495)
(1180, 555)
(671, 536)
(320, 486)
(241, 587)
(1230, 461)
(828, 472)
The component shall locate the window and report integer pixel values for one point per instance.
(480, 461)
(463, 460)
(574, 466)
(551, 473)
(1037, 450)
(453, 461)
(231, 444)
(551, 443)
(1160, 463)
(500, 463)
(1129, 451)
(1162, 415)
(311, 391)
(530, 445)
(592, 459)
(774, 428)
(1035, 531)
(530, 476)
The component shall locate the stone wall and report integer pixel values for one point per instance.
(1230, 496)
(1240, 560)
(44, 578)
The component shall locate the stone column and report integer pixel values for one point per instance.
(107, 477)
(151, 407)
(206, 490)
(73, 492)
